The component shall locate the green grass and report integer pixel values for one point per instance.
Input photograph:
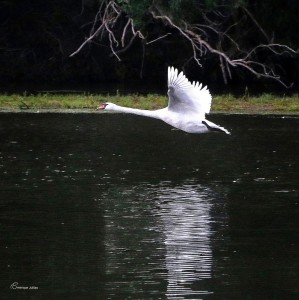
(57, 101)
(266, 103)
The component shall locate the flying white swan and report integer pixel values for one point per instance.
(187, 106)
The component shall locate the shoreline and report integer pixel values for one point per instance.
(266, 104)
(94, 111)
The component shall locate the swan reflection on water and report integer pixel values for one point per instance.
(186, 216)
(160, 233)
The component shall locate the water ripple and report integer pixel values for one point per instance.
(177, 235)
(187, 230)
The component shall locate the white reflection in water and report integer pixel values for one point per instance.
(159, 232)
(185, 214)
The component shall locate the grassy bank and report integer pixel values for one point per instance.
(224, 103)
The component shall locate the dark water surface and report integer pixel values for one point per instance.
(110, 206)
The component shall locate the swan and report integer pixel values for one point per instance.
(188, 103)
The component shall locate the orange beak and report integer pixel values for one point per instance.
(101, 106)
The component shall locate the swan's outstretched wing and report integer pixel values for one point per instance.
(186, 97)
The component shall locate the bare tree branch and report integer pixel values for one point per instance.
(159, 38)
(226, 48)
(200, 47)
(256, 23)
(103, 25)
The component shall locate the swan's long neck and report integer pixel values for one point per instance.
(141, 112)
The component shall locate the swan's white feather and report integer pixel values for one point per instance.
(186, 97)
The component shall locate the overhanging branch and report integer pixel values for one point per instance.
(223, 44)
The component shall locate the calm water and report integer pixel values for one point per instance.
(109, 206)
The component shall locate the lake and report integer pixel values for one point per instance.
(113, 206)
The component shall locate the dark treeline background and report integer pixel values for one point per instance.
(37, 38)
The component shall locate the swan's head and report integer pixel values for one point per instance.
(106, 106)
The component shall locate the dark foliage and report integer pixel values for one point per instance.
(37, 38)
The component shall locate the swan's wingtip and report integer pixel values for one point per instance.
(172, 69)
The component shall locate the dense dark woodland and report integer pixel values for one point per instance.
(37, 38)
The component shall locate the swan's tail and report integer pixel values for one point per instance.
(213, 127)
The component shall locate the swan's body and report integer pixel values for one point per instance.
(187, 106)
